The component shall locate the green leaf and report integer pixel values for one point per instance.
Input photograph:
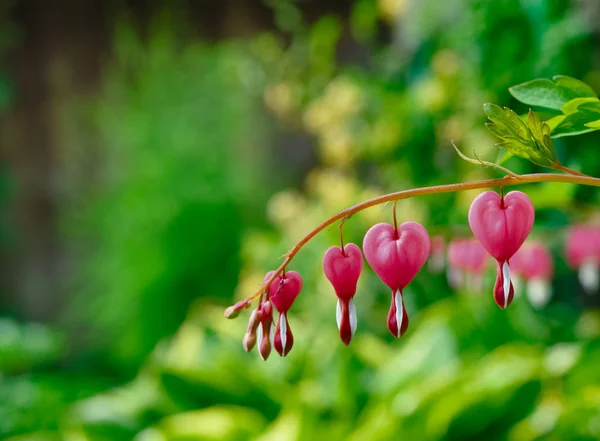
(551, 94)
(504, 156)
(580, 115)
(530, 141)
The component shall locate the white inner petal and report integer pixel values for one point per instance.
(282, 333)
(272, 334)
(588, 276)
(353, 316)
(506, 277)
(338, 314)
(259, 338)
(538, 292)
(399, 311)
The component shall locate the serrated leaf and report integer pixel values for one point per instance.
(551, 94)
(579, 117)
(529, 141)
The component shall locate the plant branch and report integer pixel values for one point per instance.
(573, 178)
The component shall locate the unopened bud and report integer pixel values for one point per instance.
(234, 310)
(250, 337)
(264, 329)
(249, 341)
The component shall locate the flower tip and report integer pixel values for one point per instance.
(234, 310)
(397, 316)
(249, 341)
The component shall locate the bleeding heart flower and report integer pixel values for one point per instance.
(467, 261)
(502, 225)
(342, 269)
(534, 263)
(396, 256)
(583, 254)
(282, 292)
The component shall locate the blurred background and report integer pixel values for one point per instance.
(159, 157)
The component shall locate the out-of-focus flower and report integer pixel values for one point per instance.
(583, 254)
(467, 260)
(445, 63)
(390, 10)
(280, 98)
(285, 207)
(430, 95)
(533, 262)
(437, 257)
(336, 146)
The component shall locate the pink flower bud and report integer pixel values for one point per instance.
(343, 269)
(264, 329)
(502, 225)
(282, 292)
(396, 256)
(583, 254)
(250, 337)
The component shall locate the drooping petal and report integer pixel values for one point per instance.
(346, 319)
(397, 317)
(503, 288)
(284, 339)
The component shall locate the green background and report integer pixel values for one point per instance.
(194, 161)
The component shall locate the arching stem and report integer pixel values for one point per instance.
(572, 178)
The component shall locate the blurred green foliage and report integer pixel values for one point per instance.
(170, 221)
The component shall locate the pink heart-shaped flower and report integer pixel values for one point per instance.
(502, 225)
(342, 269)
(284, 289)
(282, 292)
(396, 256)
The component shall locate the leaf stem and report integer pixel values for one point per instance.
(573, 177)
(568, 170)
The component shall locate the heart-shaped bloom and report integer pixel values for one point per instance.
(342, 268)
(502, 225)
(396, 256)
(533, 262)
(583, 254)
(282, 292)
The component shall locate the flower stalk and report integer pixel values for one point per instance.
(569, 176)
